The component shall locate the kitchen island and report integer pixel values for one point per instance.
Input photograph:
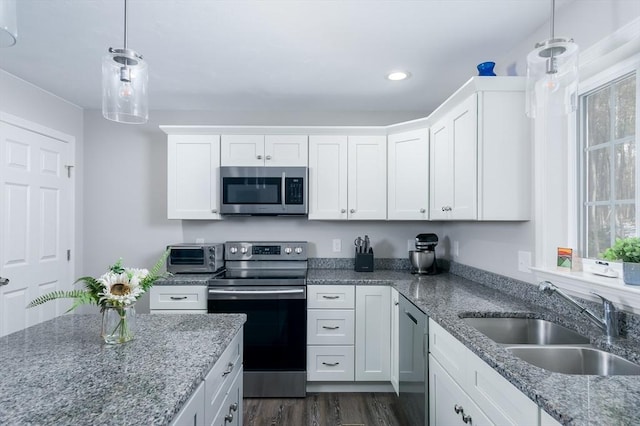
(446, 298)
(60, 371)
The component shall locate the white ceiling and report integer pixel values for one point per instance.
(273, 54)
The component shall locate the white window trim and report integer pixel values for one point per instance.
(600, 63)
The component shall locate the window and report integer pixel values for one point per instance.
(607, 171)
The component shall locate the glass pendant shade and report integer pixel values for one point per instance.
(8, 23)
(552, 77)
(125, 76)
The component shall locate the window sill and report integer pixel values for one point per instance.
(581, 284)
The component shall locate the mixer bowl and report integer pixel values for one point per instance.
(421, 261)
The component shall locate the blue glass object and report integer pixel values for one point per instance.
(486, 69)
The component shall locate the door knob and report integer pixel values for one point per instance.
(4, 281)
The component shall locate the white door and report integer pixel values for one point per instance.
(286, 150)
(193, 177)
(35, 211)
(242, 150)
(367, 190)
(408, 183)
(328, 177)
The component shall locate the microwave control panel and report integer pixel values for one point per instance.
(294, 191)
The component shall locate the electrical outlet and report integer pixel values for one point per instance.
(199, 240)
(337, 245)
(524, 261)
(456, 248)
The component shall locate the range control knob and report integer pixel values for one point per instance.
(212, 257)
(243, 250)
(211, 250)
(298, 250)
(288, 250)
(233, 250)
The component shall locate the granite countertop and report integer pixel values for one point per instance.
(60, 372)
(570, 399)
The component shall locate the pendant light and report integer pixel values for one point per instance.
(552, 75)
(124, 84)
(8, 23)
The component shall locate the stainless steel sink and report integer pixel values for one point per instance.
(576, 360)
(525, 331)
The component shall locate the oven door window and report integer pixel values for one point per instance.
(252, 190)
(186, 256)
(274, 334)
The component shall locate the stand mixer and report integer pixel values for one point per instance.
(423, 258)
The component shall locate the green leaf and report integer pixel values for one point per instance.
(60, 294)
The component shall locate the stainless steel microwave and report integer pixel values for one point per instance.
(195, 258)
(266, 191)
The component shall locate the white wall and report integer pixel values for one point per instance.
(24, 100)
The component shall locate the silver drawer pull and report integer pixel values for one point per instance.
(467, 419)
(326, 327)
(233, 407)
(4, 281)
(178, 297)
(331, 297)
(331, 364)
(228, 370)
(458, 409)
(228, 418)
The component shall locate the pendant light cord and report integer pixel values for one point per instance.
(553, 12)
(125, 25)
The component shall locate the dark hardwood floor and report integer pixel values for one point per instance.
(325, 409)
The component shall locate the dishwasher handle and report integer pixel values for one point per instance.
(411, 317)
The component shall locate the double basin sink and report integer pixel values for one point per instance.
(551, 346)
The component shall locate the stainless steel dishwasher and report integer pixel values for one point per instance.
(414, 340)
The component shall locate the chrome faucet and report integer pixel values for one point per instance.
(609, 321)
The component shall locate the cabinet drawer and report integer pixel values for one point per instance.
(218, 381)
(331, 296)
(448, 351)
(192, 297)
(330, 363)
(330, 327)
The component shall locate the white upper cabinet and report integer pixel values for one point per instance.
(453, 166)
(480, 157)
(193, 181)
(328, 177)
(261, 150)
(347, 177)
(367, 188)
(408, 179)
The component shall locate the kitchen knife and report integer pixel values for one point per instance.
(367, 244)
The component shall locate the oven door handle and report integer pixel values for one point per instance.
(231, 292)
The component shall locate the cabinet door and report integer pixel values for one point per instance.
(395, 341)
(447, 401)
(192, 412)
(373, 333)
(367, 189)
(193, 181)
(286, 150)
(453, 163)
(328, 177)
(242, 150)
(408, 181)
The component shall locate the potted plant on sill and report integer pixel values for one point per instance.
(628, 251)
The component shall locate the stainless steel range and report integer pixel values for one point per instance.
(267, 281)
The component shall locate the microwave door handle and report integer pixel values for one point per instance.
(283, 191)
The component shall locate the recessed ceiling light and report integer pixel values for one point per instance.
(398, 75)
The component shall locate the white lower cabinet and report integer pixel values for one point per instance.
(459, 372)
(178, 299)
(218, 399)
(449, 405)
(348, 333)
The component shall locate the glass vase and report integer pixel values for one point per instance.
(486, 69)
(118, 324)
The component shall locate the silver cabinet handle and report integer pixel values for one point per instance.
(458, 409)
(259, 157)
(467, 419)
(233, 407)
(228, 370)
(422, 210)
(4, 281)
(411, 317)
(352, 210)
(331, 364)
(326, 327)
(330, 297)
(214, 210)
(178, 297)
(343, 211)
(268, 157)
(228, 418)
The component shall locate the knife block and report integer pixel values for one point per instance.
(364, 262)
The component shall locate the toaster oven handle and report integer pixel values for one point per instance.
(283, 191)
